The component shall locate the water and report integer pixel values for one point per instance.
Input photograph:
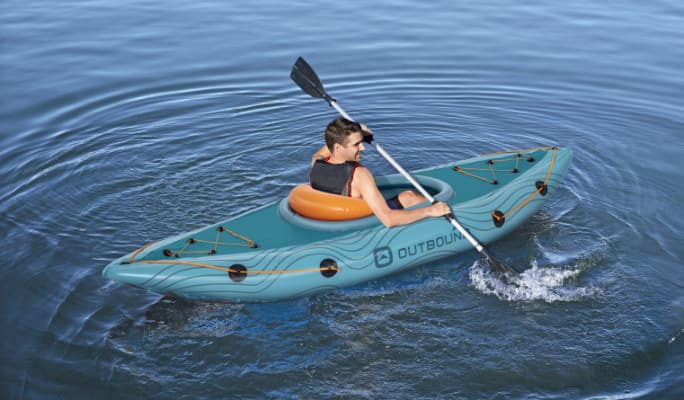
(126, 122)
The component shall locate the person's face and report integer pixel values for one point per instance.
(352, 148)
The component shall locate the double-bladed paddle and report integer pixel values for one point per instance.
(305, 77)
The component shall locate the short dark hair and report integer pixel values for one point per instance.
(338, 130)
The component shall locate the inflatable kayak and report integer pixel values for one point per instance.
(290, 248)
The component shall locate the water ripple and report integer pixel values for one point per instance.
(127, 123)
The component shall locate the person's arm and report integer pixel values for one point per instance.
(321, 154)
(389, 217)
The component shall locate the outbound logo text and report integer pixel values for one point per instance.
(384, 256)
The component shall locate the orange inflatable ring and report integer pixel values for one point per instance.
(311, 203)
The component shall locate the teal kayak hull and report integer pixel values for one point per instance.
(271, 253)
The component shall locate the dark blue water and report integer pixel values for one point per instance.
(127, 122)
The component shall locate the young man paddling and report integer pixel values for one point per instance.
(335, 169)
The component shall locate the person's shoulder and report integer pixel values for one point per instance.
(361, 172)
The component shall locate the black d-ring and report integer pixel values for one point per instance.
(499, 218)
(541, 187)
(329, 267)
(237, 272)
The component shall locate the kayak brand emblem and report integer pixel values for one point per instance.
(427, 246)
(383, 256)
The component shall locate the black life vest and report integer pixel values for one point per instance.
(332, 178)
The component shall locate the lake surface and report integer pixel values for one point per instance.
(126, 122)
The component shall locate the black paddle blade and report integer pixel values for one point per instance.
(498, 267)
(305, 77)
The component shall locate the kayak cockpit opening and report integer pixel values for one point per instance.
(314, 209)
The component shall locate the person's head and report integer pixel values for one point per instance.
(343, 135)
(339, 130)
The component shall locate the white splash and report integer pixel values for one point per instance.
(549, 284)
